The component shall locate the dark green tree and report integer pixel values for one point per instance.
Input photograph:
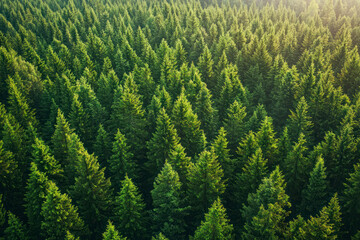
(168, 211)
(102, 146)
(265, 137)
(121, 162)
(216, 224)
(59, 215)
(220, 148)
(186, 122)
(16, 229)
(206, 68)
(129, 210)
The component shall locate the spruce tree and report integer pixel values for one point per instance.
(206, 68)
(8, 166)
(205, 182)
(179, 161)
(216, 224)
(315, 195)
(111, 233)
(246, 149)
(163, 141)
(92, 192)
(234, 125)
(160, 236)
(220, 148)
(102, 146)
(168, 211)
(59, 215)
(333, 212)
(121, 162)
(129, 210)
(16, 229)
(192, 138)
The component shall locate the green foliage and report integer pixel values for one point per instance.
(121, 162)
(168, 211)
(59, 215)
(16, 229)
(111, 233)
(129, 210)
(216, 224)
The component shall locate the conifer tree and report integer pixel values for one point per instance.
(121, 162)
(129, 210)
(351, 200)
(348, 78)
(192, 138)
(270, 194)
(160, 236)
(315, 195)
(205, 182)
(59, 215)
(216, 224)
(267, 141)
(8, 166)
(220, 148)
(296, 169)
(16, 229)
(234, 125)
(299, 121)
(254, 170)
(44, 160)
(206, 68)
(168, 211)
(36, 192)
(111, 233)
(69, 236)
(333, 213)
(92, 192)
(246, 149)
(205, 111)
(102, 146)
(179, 161)
(164, 140)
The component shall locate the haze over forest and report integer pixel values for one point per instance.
(179, 119)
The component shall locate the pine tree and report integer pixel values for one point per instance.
(111, 233)
(205, 111)
(220, 148)
(16, 229)
(129, 210)
(348, 78)
(121, 162)
(36, 192)
(299, 121)
(234, 125)
(168, 211)
(254, 170)
(61, 138)
(246, 149)
(332, 212)
(44, 160)
(315, 195)
(92, 192)
(267, 141)
(206, 68)
(163, 141)
(205, 182)
(128, 116)
(270, 194)
(160, 236)
(352, 200)
(69, 236)
(102, 146)
(8, 166)
(296, 169)
(59, 215)
(180, 161)
(192, 138)
(216, 224)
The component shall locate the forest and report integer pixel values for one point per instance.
(179, 119)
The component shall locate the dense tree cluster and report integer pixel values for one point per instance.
(182, 119)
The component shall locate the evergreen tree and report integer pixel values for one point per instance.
(216, 224)
(192, 138)
(111, 233)
(16, 229)
(59, 215)
(92, 192)
(36, 192)
(220, 148)
(180, 161)
(160, 236)
(205, 182)
(246, 149)
(265, 137)
(102, 146)
(296, 169)
(168, 208)
(206, 68)
(315, 195)
(8, 166)
(129, 210)
(234, 125)
(299, 121)
(121, 162)
(164, 140)
(332, 211)
(69, 236)
(351, 200)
